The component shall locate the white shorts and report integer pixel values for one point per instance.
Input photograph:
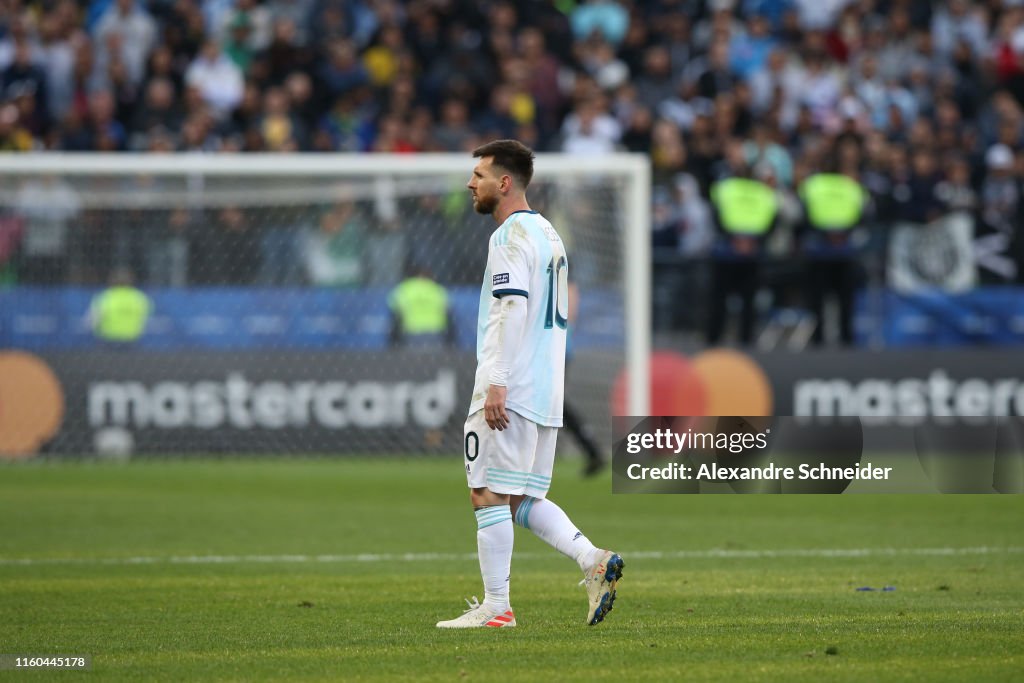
(517, 460)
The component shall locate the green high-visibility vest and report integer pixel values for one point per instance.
(120, 314)
(421, 305)
(834, 202)
(745, 206)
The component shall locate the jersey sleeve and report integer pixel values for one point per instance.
(510, 270)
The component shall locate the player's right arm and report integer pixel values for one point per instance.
(511, 324)
(510, 286)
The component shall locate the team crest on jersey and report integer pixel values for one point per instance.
(500, 279)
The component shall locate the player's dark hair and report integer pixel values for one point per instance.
(512, 156)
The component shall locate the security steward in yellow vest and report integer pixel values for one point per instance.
(834, 204)
(120, 312)
(745, 210)
(420, 314)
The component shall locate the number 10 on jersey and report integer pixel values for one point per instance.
(557, 312)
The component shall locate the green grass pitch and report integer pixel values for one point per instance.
(255, 570)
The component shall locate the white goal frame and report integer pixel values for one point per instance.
(634, 169)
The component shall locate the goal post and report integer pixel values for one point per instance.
(107, 206)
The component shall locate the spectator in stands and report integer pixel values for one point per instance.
(452, 130)
(127, 32)
(717, 77)
(285, 54)
(333, 253)
(229, 252)
(590, 129)
(955, 190)
(543, 69)
(57, 60)
(349, 125)
(169, 250)
(749, 50)
(24, 82)
(303, 102)
(498, 121)
(606, 18)
(218, 79)
(49, 206)
(656, 83)
(257, 20)
(917, 199)
(762, 149)
(13, 136)
(237, 45)
(159, 110)
(281, 130)
(343, 72)
(959, 21)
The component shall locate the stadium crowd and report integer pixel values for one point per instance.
(919, 101)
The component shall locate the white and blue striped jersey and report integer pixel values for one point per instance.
(526, 256)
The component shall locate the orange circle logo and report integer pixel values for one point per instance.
(31, 404)
(716, 382)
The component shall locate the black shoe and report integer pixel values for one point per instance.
(593, 466)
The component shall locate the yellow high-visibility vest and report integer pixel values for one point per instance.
(120, 313)
(745, 207)
(834, 202)
(421, 305)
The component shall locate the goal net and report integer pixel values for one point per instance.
(272, 280)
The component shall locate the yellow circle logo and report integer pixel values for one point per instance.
(31, 404)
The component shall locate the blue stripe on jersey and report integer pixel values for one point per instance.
(498, 293)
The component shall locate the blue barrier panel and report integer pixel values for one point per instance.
(991, 316)
(263, 318)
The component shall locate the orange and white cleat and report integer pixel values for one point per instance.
(480, 616)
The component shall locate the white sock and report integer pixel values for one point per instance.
(494, 537)
(553, 526)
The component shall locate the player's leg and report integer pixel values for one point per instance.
(748, 282)
(551, 525)
(495, 469)
(601, 568)
(575, 425)
(494, 542)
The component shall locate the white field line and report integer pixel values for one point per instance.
(724, 554)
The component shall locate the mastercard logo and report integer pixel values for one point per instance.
(714, 382)
(31, 404)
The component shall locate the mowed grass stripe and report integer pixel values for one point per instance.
(714, 553)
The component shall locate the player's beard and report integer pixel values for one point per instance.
(485, 205)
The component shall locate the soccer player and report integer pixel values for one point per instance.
(516, 408)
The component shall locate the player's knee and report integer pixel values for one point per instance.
(514, 501)
(483, 496)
